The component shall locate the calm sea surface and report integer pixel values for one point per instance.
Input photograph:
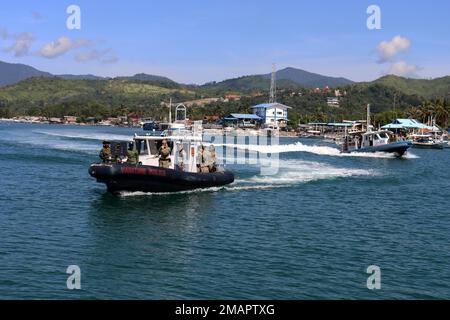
(308, 232)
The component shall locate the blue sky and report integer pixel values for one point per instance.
(204, 40)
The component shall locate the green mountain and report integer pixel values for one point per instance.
(146, 77)
(38, 93)
(246, 84)
(80, 77)
(430, 89)
(11, 73)
(288, 78)
(308, 79)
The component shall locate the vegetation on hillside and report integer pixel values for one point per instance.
(390, 97)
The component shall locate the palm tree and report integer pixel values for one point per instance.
(441, 114)
(415, 113)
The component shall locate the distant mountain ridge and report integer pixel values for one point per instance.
(287, 78)
(146, 77)
(309, 79)
(432, 88)
(11, 73)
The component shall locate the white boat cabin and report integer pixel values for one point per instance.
(183, 156)
(369, 139)
(375, 138)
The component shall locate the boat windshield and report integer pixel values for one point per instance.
(383, 135)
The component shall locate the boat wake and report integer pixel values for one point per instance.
(291, 172)
(319, 150)
(84, 136)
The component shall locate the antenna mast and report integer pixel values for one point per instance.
(273, 86)
(170, 110)
(368, 118)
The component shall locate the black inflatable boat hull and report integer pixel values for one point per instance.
(124, 177)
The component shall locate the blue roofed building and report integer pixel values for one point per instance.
(272, 114)
(242, 120)
(409, 124)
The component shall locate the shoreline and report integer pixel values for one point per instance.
(255, 132)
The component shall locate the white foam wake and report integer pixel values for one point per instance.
(291, 172)
(87, 136)
(319, 150)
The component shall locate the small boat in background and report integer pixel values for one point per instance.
(374, 141)
(427, 141)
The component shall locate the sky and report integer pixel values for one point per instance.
(199, 41)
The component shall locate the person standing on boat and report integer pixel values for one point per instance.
(201, 159)
(164, 155)
(210, 158)
(132, 154)
(181, 156)
(105, 154)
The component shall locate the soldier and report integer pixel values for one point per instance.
(132, 154)
(164, 153)
(105, 154)
(181, 156)
(117, 156)
(201, 160)
(210, 159)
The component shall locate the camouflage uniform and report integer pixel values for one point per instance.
(164, 159)
(132, 157)
(105, 154)
(210, 158)
(201, 159)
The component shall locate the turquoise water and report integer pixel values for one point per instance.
(308, 232)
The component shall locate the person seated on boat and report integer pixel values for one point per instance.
(132, 154)
(210, 158)
(117, 157)
(105, 154)
(164, 155)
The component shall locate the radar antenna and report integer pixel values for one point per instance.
(273, 85)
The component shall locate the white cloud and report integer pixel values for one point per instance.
(104, 56)
(22, 43)
(403, 69)
(387, 50)
(61, 46)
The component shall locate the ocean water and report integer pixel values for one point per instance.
(308, 232)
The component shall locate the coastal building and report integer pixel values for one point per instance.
(133, 119)
(272, 114)
(55, 120)
(333, 128)
(406, 124)
(70, 119)
(232, 97)
(333, 101)
(211, 119)
(242, 120)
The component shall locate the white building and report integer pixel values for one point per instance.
(333, 102)
(272, 114)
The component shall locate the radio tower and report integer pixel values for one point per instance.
(273, 86)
